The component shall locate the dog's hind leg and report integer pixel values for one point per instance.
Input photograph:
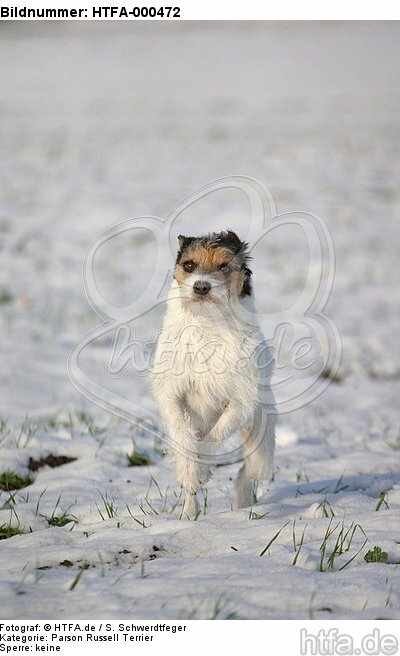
(258, 451)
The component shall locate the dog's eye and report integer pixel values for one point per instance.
(189, 266)
(225, 268)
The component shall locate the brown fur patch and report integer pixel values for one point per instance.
(180, 275)
(211, 252)
(208, 259)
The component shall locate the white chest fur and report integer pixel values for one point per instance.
(206, 358)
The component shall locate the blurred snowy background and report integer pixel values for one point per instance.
(102, 122)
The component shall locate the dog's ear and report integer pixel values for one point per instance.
(185, 241)
(235, 242)
(181, 241)
(247, 286)
(183, 244)
(232, 236)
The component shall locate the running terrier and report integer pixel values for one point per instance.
(212, 366)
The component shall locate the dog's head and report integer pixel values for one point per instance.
(213, 268)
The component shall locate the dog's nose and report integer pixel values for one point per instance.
(201, 287)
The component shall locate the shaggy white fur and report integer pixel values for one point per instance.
(211, 379)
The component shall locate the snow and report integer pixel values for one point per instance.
(103, 122)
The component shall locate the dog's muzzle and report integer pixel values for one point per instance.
(201, 287)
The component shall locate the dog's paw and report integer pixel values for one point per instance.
(191, 507)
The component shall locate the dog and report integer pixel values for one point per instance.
(212, 366)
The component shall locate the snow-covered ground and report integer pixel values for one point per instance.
(103, 122)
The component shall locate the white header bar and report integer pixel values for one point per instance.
(205, 10)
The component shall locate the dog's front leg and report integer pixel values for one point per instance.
(184, 439)
(191, 473)
(232, 418)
